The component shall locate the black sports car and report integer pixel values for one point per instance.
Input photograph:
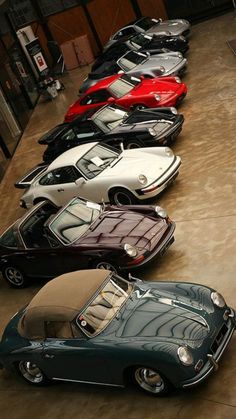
(154, 44)
(113, 125)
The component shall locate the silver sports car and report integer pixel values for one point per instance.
(152, 27)
(137, 64)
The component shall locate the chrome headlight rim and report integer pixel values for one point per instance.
(169, 152)
(130, 250)
(157, 97)
(161, 212)
(142, 179)
(218, 299)
(152, 132)
(185, 356)
(177, 79)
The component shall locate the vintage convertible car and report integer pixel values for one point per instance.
(151, 26)
(141, 42)
(95, 327)
(112, 125)
(49, 241)
(102, 174)
(130, 93)
(136, 64)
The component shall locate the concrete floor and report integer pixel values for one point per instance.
(202, 201)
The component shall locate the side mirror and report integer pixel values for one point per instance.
(80, 181)
(111, 100)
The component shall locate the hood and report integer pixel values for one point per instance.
(168, 315)
(115, 228)
(156, 85)
(171, 27)
(166, 60)
(138, 162)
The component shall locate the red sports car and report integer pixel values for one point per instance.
(130, 92)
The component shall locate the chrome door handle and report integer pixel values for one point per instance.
(48, 356)
(60, 190)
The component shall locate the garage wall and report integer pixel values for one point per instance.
(153, 8)
(107, 16)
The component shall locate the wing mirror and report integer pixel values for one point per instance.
(111, 100)
(80, 181)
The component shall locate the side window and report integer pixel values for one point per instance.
(96, 97)
(61, 330)
(62, 175)
(125, 32)
(8, 239)
(86, 129)
(69, 136)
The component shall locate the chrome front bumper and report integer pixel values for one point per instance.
(212, 363)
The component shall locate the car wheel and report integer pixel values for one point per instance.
(133, 144)
(14, 276)
(31, 373)
(139, 106)
(151, 381)
(106, 265)
(122, 197)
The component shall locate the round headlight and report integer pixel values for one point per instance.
(169, 152)
(142, 179)
(174, 110)
(217, 299)
(157, 97)
(177, 79)
(152, 132)
(185, 355)
(161, 212)
(130, 250)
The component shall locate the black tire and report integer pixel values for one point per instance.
(14, 276)
(121, 196)
(104, 264)
(151, 381)
(133, 143)
(31, 373)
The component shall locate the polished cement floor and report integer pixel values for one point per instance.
(203, 204)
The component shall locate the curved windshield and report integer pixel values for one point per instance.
(74, 220)
(145, 23)
(96, 160)
(138, 41)
(130, 60)
(109, 118)
(123, 86)
(104, 306)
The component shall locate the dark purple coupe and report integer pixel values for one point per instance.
(49, 241)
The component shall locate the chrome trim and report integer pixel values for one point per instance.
(87, 382)
(213, 362)
(193, 383)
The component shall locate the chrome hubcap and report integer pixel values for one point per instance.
(121, 198)
(14, 276)
(30, 372)
(107, 266)
(149, 380)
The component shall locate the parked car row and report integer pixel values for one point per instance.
(84, 200)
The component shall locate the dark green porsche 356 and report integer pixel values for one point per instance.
(94, 327)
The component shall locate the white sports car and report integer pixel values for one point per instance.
(100, 174)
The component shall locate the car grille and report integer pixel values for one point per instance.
(219, 338)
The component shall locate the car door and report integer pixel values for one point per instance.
(95, 99)
(87, 132)
(76, 359)
(59, 184)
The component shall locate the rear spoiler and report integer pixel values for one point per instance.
(30, 176)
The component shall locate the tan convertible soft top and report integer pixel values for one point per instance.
(60, 300)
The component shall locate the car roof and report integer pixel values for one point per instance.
(70, 157)
(60, 300)
(102, 84)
